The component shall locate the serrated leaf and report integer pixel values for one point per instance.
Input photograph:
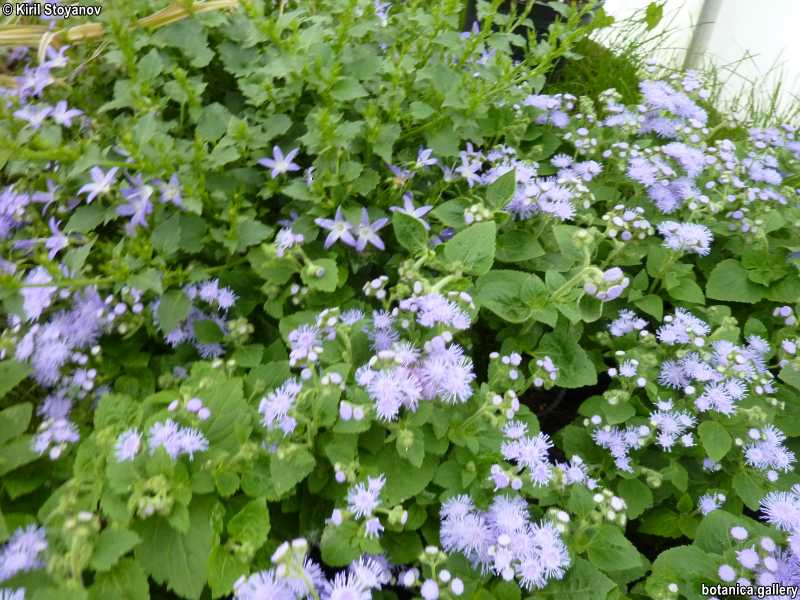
(511, 295)
(189, 36)
(173, 308)
(583, 581)
(291, 470)
(715, 439)
(14, 420)
(637, 495)
(340, 544)
(575, 368)
(473, 248)
(86, 218)
(16, 454)
(112, 544)
(750, 487)
(250, 233)
(329, 279)
(126, 581)
(501, 190)
(518, 246)
(178, 560)
(728, 281)
(11, 374)
(251, 524)
(609, 550)
(223, 570)
(410, 232)
(207, 332)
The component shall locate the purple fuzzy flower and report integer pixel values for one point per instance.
(37, 298)
(21, 552)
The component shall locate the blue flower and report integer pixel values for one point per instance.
(340, 229)
(279, 163)
(101, 183)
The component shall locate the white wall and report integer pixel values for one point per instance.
(762, 32)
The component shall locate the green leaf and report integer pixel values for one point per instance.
(501, 190)
(16, 454)
(517, 246)
(681, 564)
(687, 290)
(443, 141)
(251, 524)
(112, 544)
(566, 238)
(652, 305)
(582, 582)
(178, 560)
(713, 532)
(229, 425)
(420, 111)
(150, 65)
(223, 570)
(275, 125)
(126, 581)
(403, 481)
(76, 257)
(637, 496)
(291, 470)
(677, 475)
(86, 218)
(511, 295)
(14, 421)
(249, 233)
(788, 374)
(662, 522)
(410, 232)
(728, 281)
(413, 451)
(340, 544)
(715, 439)
(750, 487)
(473, 248)
(575, 368)
(190, 38)
(403, 548)
(116, 410)
(385, 138)
(329, 279)
(653, 15)
(346, 89)
(609, 550)
(207, 331)
(11, 374)
(173, 308)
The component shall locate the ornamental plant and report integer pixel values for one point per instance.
(329, 300)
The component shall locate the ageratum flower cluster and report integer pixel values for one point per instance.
(343, 274)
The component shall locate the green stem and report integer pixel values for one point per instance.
(444, 281)
(570, 283)
(658, 278)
